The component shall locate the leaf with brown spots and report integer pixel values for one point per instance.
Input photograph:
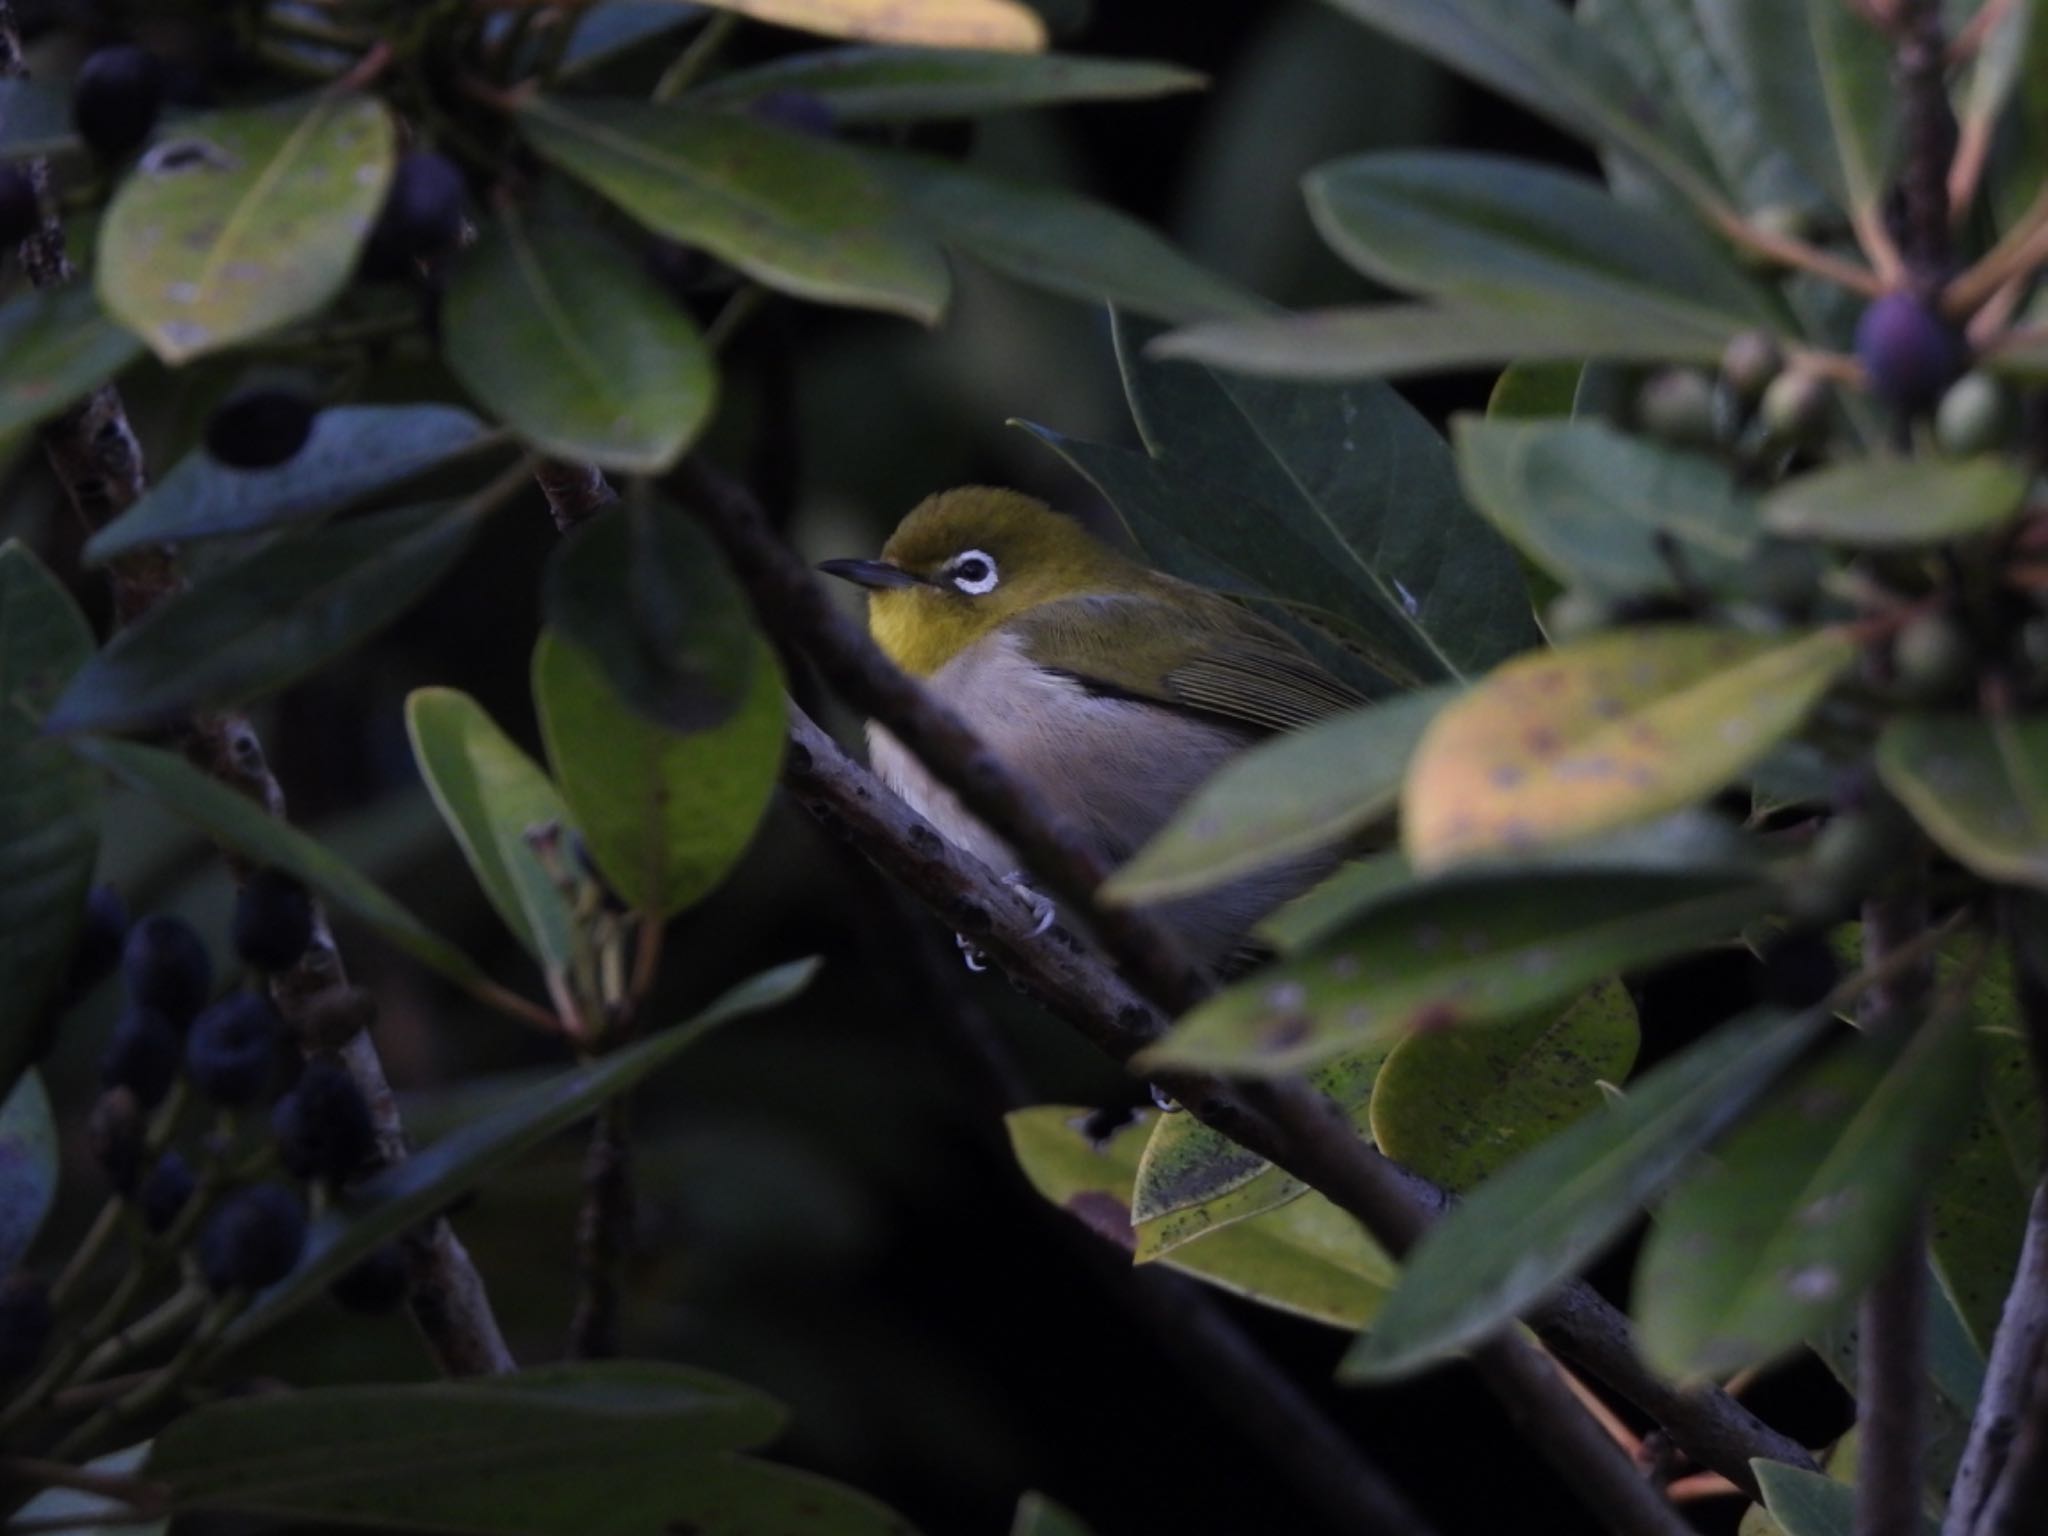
(1606, 732)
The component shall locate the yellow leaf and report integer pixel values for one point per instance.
(1612, 730)
(994, 24)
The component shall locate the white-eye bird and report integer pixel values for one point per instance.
(1112, 688)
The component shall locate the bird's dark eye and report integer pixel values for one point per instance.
(973, 572)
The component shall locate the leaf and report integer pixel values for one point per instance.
(1052, 239)
(49, 801)
(1601, 509)
(246, 828)
(1458, 1105)
(644, 589)
(885, 85)
(1776, 1238)
(238, 222)
(1038, 1515)
(1531, 391)
(1898, 504)
(354, 452)
(1609, 730)
(1805, 1503)
(56, 347)
(28, 1168)
(1530, 1227)
(1455, 953)
(993, 24)
(252, 625)
(490, 794)
(666, 814)
(567, 339)
(1508, 234)
(35, 119)
(801, 215)
(115, 1516)
(389, 1202)
(1307, 1257)
(1298, 792)
(1978, 786)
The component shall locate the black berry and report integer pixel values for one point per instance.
(323, 1125)
(1798, 971)
(799, 111)
(232, 1054)
(421, 217)
(273, 921)
(115, 1132)
(260, 428)
(1909, 353)
(20, 215)
(164, 1193)
(117, 97)
(253, 1239)
(166, 968)
(98, 947)
(25, 1323)
(376, 1284)
(142, 1055)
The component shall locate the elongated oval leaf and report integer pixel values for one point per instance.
(993, 24)
(1804, 1503)
(567, 339)
(56, 346)
(1608, 731)
(806, 217)
(1038, 1515)
(1886, 504)
(491, 795)
(238, 222)
(49, 801)
(28, 1168)
(355, 451)
(1304, 790)
(882, 85)
(1978, 786)
(424, 1183)
(1527, 1229)
(253, 625)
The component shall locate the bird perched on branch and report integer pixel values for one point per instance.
(1114, 689)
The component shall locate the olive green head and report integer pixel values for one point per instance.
(965, 562)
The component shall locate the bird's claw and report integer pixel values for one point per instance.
(970, 952)
(1042, 906)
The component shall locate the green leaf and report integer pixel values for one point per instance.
(115, 1518)
(1507, 234)
(886, 85)
(1463, 953)
(1307, 1257)
(1613, 729)
(1458, 1105)
(1038, 1515)
(569, 341)
(56, 347)
(246, 828)
(800, 215)
(1600, 509)
(1805, 1503)
(354, 452)
(35, 119)
(238, 222)
(1899, 504)
(49, 801)
(1529, 1228)
(28, 1168)
(1532, 391)
(1978, 786)
(389, 1202)
(644, 589)
(1803, 1204)
(490, 794)
(666, 814)
(1055, 240)
(251, 626)
(1301, 791)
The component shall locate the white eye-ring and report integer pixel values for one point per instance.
(973, 571)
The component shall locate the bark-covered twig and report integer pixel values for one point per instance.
(1920, 69)
(2017, 1352)
(575, 492)
(604, 1225)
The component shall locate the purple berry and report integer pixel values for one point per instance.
(254, 1239)
(1908, 351)
(142, 1055)
(166, 967)
(232, 1054)
(323, 1125)
(421, 217)
(164, 1193)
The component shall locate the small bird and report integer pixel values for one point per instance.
(1114, 689)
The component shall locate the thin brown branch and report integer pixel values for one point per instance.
(604, 1225)
(2018, 252)
(1920, 66)
(575, 492)
(1970, 36)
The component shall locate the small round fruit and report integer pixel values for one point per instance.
(260, 428)
(1975, 416)
(118, 94)
(323, 1126)
(273, 920)
(20, 213)
(164, 1193)
(98, 947)
(166, 967)
(1908, 352)
(232, 1054)
(114, 1132)
(253, 1239)
(1749, 362)
(1576, 612)
(1677, 405)
(1933, 659)
(1795, 409)
(1798, 970)
(26, 1319)
(421, 216)
(142, 1055)
(801, 111)
(375, 1284)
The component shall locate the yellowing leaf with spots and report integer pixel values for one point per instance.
(1609, 731)
(1004, 25)
(236, 223)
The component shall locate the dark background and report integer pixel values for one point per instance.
(829, 1209)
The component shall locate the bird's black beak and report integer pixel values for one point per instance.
(877, 574)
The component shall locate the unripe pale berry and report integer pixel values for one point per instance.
(1677, 405)
(1908, 352)
(1975, 415)
(1933, 659)
(1795, 409)
(1749, 363)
